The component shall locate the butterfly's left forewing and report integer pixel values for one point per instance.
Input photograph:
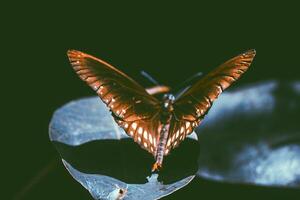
(132, 107)
(191, 107)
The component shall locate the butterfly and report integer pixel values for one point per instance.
(158, 126)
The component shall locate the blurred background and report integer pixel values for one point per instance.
(169, 40)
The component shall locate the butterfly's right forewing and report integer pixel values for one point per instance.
(191, 107)
(197, 100)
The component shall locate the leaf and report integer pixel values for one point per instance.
(83, 121)
(104, 187)
(101, 157)
(252, 135)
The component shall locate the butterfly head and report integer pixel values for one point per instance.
(168, 101)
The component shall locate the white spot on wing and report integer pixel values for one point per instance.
(139, 139)
(169, 142)
(175, 143)
(154, 142)
(167, 151)
(173, 138)
(134, 125)
(187, 125)
(146, 135)
(182, 129)
(140, 130)
(145, 144)
(177, 134)
(131, 133)
(150, 138)
(138, 101)
(126, 125)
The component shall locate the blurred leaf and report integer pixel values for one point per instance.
(252, 135)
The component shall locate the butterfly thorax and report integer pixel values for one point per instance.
(167, 108)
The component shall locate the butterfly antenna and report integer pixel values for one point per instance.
(184, 86)
(157, 88)
(150, 78)
(188, 81)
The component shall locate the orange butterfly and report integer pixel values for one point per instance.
(156, 125)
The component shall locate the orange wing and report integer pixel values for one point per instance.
(191, 107)
(132, 107)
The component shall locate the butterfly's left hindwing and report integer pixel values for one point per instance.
(144, 132)
(132, 107)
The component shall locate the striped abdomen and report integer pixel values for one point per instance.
(162, 143)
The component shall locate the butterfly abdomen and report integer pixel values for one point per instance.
(162, 143)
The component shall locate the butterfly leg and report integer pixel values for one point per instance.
(158, 90)
(156, 167)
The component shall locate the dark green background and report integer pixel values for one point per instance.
(171, 41)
